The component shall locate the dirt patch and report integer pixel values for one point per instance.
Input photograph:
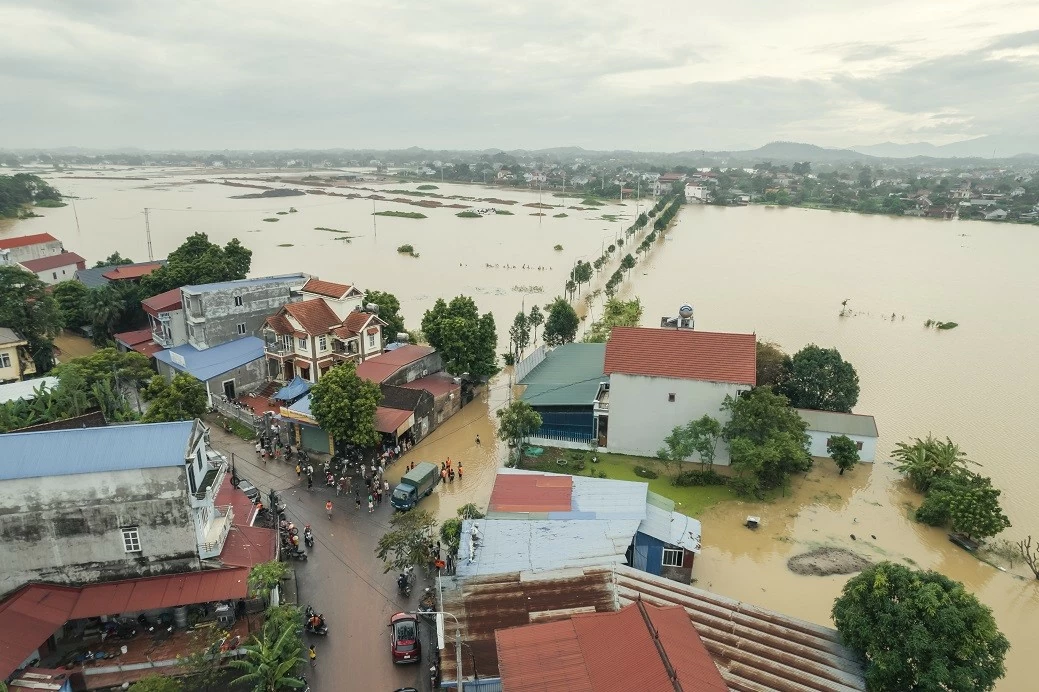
(822, 562)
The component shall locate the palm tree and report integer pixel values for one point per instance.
(925, 461)
(270, 665)
(106, 308)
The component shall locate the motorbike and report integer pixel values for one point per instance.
(428, 602)
(321, 629)
(119, 629)
(404, 583)
(308, 536)
(295, 553)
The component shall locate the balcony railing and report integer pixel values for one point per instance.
(276, 348)
(211, 482)
(217, 533)
(161, 340)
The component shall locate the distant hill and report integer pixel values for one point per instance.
(989, 146)
(796, 151)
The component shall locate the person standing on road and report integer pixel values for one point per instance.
(477, 440)
(328, 509)
(299, 470)
(386, 488)
(313, 656)
(310, 482)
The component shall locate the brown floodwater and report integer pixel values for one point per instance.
(781, 273)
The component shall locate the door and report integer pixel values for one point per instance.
(229, 389)
(289, 373)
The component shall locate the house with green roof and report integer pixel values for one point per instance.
(566, 385)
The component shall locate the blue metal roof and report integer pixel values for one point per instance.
(245, 283)
(94, 450)
(207, 364)
(302, 406)
(293, 389)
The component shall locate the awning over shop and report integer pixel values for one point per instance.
(393, 421)
(293, 390)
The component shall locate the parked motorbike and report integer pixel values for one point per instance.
(404, 583)
(321, 629)
(308, 536)
(295, 553)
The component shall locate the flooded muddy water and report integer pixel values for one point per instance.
(781, 273)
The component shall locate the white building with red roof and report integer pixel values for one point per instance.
(14, 250)
(55, 268)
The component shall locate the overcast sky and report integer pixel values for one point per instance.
(467, 74)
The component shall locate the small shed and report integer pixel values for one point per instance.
(822, 425)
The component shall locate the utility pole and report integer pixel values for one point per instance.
(375, 229)
(148, 232)
(76, 214)
(458, 643)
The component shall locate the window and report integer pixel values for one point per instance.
(54, 275)
(672, 557)
(238, 301)
(671, 398)
(371, 341)
(303, 344)
(322, 343)
(131, 539)
(241, 328)
(858, 446)
(5, 360)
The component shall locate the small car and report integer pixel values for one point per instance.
(404, 644)
(250, 490)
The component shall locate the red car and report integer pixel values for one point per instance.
(404, 645)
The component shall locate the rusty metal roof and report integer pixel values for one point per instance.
(534, 492)
(754, 649)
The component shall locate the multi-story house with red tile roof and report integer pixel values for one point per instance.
(329, 326)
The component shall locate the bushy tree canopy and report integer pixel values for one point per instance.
(820, 379)
(616, 313)
(919, 631)
(767, 441)
(406, 544)
(773, 365)
(198, 261)
(27, 307)
(844, 452)
(344, 406)
(465, 339)
(561, 325)
(517, 421)
(389, 311)
(182, 398)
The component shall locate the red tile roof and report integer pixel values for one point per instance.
(62, 259)
(36, 611)
(437, 384)
(682, 354)
(148, 348)
(131, 339)
(405, 355)
(280, 324)
(22, 241)
(327, 288)
(313, 315)
(607, 652)
(387, 420)
(133, 271)
(164, 302)
(522, 492)
(248, 545)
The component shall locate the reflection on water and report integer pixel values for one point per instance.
(781, 273)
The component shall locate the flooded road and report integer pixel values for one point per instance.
(781, 273)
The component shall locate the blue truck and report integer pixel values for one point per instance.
(415, 485)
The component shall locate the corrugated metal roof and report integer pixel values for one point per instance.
(122, 272)
(246, 283)
(23, 240)
(438, 384)
(682, 354)
(530, 492)
(569, 375)
(94, 450)
(28, 618)
(538, 546)
(302, 407)
(387, 420)
(215, 361)
(604, 498)
(25, 389)
(665, 524)
(10, 336)
(164, 302)
(542, 658)
(839, 423)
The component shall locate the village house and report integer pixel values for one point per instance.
(221, 312)
(92, 534)
(29, 247)
(16, 362)
(229, 370)
(697, 193)
(751, 648)
(166, 319)
(97, 277)
(329, 326)
(663, 184)
(824, 425)
(54, 269)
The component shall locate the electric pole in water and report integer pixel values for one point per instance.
(147, 232)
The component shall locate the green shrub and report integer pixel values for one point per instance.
(509, 357)
(51, 203)
(402, 214)
(558, 248)
(406, 249)
(272, 219)
(428, 187)
(698, 478)
(643, 472)
(468, 215)
(451, 534)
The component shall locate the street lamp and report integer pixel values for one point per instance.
(458, 641)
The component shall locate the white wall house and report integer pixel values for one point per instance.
(661, 378)
(822, 425)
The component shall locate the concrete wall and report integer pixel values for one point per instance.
(176, 327)
(867, 452)
(58, 274)
(14, 371)
(66, 529)
(247, 378)
(31, 252)
(641, 415)
(213, 317)
(426, 365)
(648, 554)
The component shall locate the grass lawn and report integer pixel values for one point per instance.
(689, 500)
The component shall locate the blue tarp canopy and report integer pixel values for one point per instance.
(293, 390)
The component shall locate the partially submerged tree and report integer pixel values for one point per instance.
(1030, 555)
(519, 334)
(344, 406)
(406, 544)
(919, 631)
(844, 452)
(535, 319)
(974, 509)
(561, 325)
(925, 461)
(820, 379)
(767, 441)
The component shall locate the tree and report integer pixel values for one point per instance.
(105, 308)
(561, 325)
(678, 446)
(112, 260)
(182, 398)
(23, 189)
(198, 261)
(517, 421)
(919, 631)
(264, 576)
(464, 338)
(269, 664)
(704, 433)
(519, 333)
(406, 544)
(974, 509)
(767, 441)
(628, 263)
(27, 307)
(156, 683)
(616, 313)
(581, 274)
(72, 297)
(820, 379)
(535, 319)
(843, 451)
(389, 310)
(925, 461)
(1030, 556)
(344, 406)
(773, 365)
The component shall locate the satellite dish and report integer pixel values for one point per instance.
(686, 311)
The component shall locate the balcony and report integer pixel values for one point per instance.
(277, 348)
(161, 340)
(602, 399)
(210, 484)
(216, 534)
